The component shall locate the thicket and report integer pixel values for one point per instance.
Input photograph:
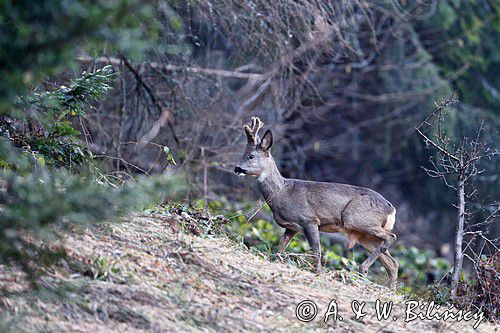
(49, 180)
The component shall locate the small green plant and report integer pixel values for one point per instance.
(335, 260)
(420, 267)
(104, 269)
(170, 157)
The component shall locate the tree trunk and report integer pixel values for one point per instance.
(459, 235)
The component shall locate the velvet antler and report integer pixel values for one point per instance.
(252, 130)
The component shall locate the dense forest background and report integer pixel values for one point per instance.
(96, 94)
(342, 85)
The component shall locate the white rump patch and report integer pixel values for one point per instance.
(391, 219)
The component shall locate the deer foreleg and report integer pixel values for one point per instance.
(311, 232)
(285, 239)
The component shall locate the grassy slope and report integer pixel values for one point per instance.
(151, 276)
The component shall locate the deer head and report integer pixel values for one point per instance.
(257, 157)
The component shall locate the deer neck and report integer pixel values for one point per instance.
(270, 181)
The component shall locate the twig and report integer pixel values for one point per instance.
(153, 97)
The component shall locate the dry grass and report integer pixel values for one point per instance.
(146, 274)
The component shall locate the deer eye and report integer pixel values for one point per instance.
(250, 157)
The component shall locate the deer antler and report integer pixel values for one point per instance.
(253, 129)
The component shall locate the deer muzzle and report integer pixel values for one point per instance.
(239, 171)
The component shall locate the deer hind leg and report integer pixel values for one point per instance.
(381, 239)
(387, 237)
(390, 264)
(360, 217)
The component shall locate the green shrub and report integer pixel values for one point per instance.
(52, 138)
(35, 202)
(48, 180)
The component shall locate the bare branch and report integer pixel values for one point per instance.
(175, 68)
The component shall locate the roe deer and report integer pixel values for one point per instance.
(310, 207)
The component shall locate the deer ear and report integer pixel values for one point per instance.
(267, 141)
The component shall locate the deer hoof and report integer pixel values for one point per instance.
(363, 270)
(393, 285)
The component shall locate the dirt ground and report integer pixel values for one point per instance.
(148, 275)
